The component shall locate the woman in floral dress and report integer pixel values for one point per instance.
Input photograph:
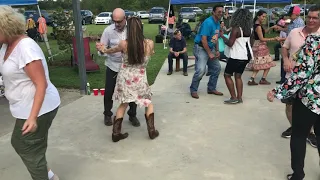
(132, 84)
(303, 86)
(261, 55)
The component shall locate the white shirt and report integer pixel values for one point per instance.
(111, 38)
(19, 88)
(239, 49)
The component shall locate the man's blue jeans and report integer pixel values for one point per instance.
(202, 60)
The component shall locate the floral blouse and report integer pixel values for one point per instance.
(305, 76)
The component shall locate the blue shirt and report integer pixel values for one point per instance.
(209, 28)
(295, 24)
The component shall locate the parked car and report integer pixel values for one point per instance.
(208, 10)
(103, 18)
(197, 10)
(129, 13)
(87, 17)
(157, 14)
(287, 7)
(187, 13)
(36, 16)
(143, 14)
(252, 9)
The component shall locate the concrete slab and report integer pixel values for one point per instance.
(199, 139)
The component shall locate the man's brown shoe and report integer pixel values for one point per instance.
(195, 95)
(215, 92)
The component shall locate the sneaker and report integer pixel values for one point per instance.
(312, 140)
(55, 177)
(287, 133)
(231, 101)
(169, 73)
(185, 73)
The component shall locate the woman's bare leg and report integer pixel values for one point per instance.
(239, 86)
(121, 110)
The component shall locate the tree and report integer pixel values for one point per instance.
(63, 29)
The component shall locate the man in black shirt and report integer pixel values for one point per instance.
(178, 49)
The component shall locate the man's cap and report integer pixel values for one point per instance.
(294, 10)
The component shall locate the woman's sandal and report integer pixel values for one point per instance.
(289, 176)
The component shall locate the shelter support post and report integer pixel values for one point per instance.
(80, 47)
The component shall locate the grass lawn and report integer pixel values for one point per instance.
(64, 76)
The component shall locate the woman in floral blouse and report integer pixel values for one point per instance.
(304, 86)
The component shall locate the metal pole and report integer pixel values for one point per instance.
(167, 24)
(79, 45)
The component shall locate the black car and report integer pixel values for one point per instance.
(129, 13)
(36, 16)
(87, 17)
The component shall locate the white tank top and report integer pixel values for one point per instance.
(239, 48)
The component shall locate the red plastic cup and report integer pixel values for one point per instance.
(95, 92)
(102, 92)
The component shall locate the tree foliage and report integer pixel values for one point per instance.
(63, 29)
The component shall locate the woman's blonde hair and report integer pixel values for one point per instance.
(12, 23)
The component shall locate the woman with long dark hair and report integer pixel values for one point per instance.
(238, 51)
(261, 55)
(132, 84)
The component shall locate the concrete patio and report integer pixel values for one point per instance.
(199, 138)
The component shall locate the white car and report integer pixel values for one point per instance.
(143, 14)
(103, 18)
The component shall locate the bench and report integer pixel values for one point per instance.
(178, 63)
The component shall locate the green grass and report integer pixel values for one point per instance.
(65, 76)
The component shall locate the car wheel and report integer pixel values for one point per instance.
(150, 22)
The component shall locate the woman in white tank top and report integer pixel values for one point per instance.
(238, 52)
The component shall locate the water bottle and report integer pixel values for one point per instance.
(88, 89)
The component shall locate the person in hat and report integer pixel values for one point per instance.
(296, 20)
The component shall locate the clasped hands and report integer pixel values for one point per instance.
(100, 46)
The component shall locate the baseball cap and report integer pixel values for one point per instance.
(294, 10)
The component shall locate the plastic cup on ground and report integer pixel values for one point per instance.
(102, 92)
(95, 92)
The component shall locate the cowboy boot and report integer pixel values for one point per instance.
(153, 133)
(116, 132)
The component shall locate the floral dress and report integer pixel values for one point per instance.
(132, 84)
(305, 78)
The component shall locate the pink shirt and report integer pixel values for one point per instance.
(294, 41)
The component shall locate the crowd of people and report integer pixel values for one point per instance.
(34, 100)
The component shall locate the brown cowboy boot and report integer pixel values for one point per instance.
(116, 132)
(153, 133)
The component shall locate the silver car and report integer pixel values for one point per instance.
(157, 14)
(187, 13)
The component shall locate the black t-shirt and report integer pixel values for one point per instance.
(177, 45)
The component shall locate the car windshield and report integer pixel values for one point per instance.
(83, 13)
(156, 11)
(186, 10)
(143, 12)
(104, 15)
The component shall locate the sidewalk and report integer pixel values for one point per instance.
(199, 138)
